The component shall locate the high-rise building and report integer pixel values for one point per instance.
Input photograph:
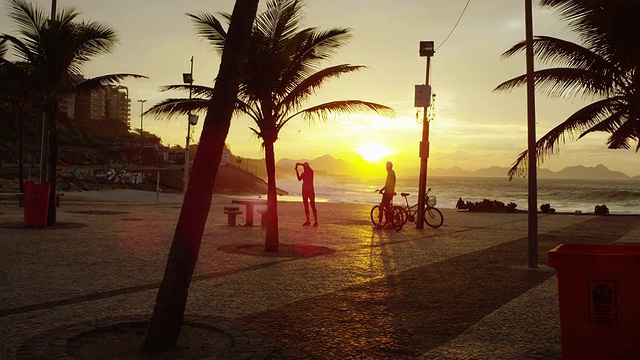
(118, 109)
(104, 111)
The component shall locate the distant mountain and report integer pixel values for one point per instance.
(332, 166)
(598, 172)
(327, 164)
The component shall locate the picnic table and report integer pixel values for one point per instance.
(249, 205)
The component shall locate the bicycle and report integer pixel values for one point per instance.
(432, 216)
(398, 215)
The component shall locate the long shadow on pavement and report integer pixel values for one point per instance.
(411, 312)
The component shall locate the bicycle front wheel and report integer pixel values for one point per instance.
(433, 217)
(375, 213)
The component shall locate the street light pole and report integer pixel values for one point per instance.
(188, 79)
(44, 143)
(426, 49)
(531, 142)
(140, 161)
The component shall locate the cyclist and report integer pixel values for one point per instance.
(389, 191)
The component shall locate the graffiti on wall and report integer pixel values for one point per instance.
(122, 176)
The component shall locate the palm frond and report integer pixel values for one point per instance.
(610, 120)
(196, 90)
(21, 50)
(562, 52)
(93, 39)
(280, 21)
(519, 166)
(3, 49)
(572, 127)
(308, 49)
(322, 111)
(170, 108)
(297, 93)
(210, 28)
(564, 82)
(324, 44)
(104, 80)
(27, 17)
(252, 111)
(606, 27)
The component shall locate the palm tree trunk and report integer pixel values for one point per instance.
(168, 314)
(271, 240)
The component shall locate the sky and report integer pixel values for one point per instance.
(473, 127)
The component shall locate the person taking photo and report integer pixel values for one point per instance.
(308, 192)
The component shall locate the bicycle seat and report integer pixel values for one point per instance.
(404, 194)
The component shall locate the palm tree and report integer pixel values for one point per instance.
(168, 314)
(605, 68)
(283, 71)
(49, 67)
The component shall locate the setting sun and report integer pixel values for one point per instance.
(373, 151)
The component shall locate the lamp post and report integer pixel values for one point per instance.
(141, 133)
(423, 99)
(532, 178)
(44, 142)
(187, 78)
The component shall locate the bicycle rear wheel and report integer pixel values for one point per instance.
(433, 217)
(399, 218)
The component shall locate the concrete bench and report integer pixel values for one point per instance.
(232, 212)
(262, 212)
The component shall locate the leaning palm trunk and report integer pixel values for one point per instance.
(271, 241)
(168, 315)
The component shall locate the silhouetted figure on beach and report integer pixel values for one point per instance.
(388, 192)
(460, 204)
(308, 192)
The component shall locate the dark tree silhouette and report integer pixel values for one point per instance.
(604, 68)
(282, 73)
(50, 55)
(168, 314)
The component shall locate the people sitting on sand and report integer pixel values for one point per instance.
(547, 209)
(308, 192)
(460, 205)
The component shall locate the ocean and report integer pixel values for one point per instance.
(620, 196)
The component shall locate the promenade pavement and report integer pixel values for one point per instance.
(341, 290)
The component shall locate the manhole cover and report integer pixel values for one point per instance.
(202, 337)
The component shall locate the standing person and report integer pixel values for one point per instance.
(308, 192)
(388, 192)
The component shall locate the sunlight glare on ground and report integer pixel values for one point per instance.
(372, 151)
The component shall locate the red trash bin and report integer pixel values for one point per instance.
(36, 203)
(599, 298)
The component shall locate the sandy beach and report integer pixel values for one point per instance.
(340, 290)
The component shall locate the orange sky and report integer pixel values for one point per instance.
(473, 127)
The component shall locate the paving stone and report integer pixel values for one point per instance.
(65, 281)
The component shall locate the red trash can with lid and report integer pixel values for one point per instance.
(36, 203)
(599, 298)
